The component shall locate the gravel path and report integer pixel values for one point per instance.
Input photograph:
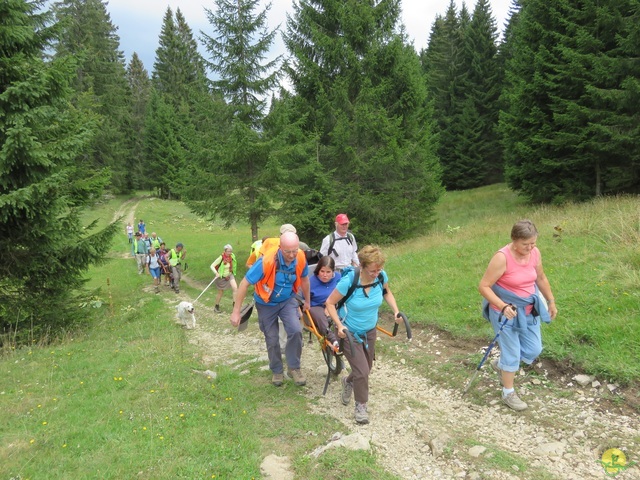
(423, 430)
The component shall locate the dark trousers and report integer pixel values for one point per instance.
(322, 324)
(361, 362)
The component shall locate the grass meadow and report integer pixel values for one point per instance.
(119, 399)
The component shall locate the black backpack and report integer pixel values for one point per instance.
(350, 239)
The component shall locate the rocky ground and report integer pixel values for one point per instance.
(423, 427)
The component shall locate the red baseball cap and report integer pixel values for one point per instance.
(341, 218)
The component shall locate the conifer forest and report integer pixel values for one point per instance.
(352, 118)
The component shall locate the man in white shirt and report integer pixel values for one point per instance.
(341, 244)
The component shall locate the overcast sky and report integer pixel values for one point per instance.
(139, 21)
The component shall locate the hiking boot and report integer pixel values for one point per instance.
(298, 377)
(494, 365)
(347, 391)
(513, 401)
(217, 309)
(362, 417)
(177, 290)
(156, 289)
(277, 379)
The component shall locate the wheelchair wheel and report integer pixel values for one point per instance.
(334, 362)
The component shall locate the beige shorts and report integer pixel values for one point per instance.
(223, 283)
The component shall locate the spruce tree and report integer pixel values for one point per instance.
(178, 71)
(44, 249)
(179, 79)
(361, 91)
(567, 132)
(233, 177)
(140, 87)
(90, 36)
(446, 66)
(478, 158)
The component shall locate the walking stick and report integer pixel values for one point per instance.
(206, 288)
(489, 348)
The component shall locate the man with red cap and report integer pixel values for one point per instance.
(341, 244)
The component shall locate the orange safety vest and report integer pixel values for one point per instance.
(264, 288)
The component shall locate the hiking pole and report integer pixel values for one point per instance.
(206, 288)
(489, 348)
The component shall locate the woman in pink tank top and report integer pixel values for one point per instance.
(511, 285)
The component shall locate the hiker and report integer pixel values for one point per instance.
(321, 284)
(224, 267)
(164, 264)
(277, 276)
(155, 240)
(153, 266)
(140, 251)
(176, 257)
(253, 252)
(142, 227)
(129, 232)
(353, 305)
(511, 286)
(147, 240)
(341, 244)
(269, 243)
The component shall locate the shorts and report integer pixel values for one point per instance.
(517, 346)
(224, 283)
(155, 272)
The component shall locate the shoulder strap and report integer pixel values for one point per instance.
(352, 288)
(350, 238)
(332, 241)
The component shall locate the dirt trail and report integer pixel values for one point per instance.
(127, 210)
(556, 437)
(422, 429)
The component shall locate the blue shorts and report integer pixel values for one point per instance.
(515, 345)
(155, 272)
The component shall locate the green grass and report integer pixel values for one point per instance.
(593, 266)
(120, 399)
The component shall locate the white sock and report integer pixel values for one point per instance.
(507, 391)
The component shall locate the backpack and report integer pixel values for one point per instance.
(312, 256)
(332, 240)
(354, 284)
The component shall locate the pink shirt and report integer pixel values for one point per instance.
(520, 278)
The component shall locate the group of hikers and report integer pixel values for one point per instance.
(152, 256)
(346, 289)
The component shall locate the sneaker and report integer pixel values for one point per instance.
(347, 391)
(298, 377)
(362, 417)
(494, 365)
(217, 309)
(277, 379)
(513, 401)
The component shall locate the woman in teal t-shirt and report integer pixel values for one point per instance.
(359, 315)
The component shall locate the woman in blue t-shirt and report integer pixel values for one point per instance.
(322, 283)
(359, 315)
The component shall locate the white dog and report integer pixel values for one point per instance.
(186, 315)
